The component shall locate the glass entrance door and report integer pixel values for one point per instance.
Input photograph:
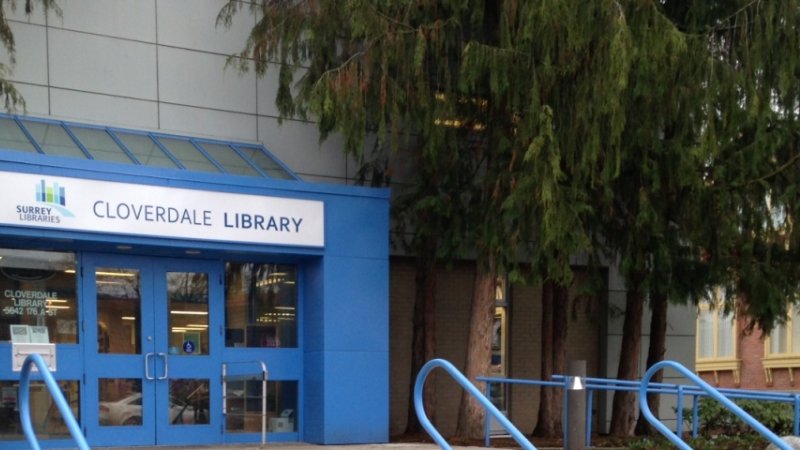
(152, 363)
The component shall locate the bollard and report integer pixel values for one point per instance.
(576, 399)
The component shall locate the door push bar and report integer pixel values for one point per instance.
(166, 365)
(147, 374)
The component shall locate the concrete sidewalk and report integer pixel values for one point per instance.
(303, 446)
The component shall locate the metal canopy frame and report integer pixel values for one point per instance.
(134, 147)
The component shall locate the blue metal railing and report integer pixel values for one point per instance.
(605, 384)
(712, 392)
(58, 398)
(562, 382)
(469, 387)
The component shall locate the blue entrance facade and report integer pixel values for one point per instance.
(156, 382)
(149, 279)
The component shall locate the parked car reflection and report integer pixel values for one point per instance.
(128, 412)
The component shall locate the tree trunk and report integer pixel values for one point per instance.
(423, 340)
(555, 301)
(623, 416)
(545, 424)
(655, 354)
(479, 343)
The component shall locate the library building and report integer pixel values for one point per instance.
(175, 275)
(202, 270)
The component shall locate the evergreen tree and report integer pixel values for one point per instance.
(695, 203)
(661, 133)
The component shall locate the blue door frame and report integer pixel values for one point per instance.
(157, 364)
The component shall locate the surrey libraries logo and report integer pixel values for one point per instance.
(51, 205)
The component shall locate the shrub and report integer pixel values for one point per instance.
(715, 419)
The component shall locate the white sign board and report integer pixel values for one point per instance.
(20, 334)
(45, 201)
(21, 351)
(40, 335)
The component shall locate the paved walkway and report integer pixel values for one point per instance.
(302, 446)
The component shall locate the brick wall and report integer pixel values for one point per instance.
(750, 352)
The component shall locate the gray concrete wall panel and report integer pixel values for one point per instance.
(103, 109)
(101, 64)
(37, 101)
(118, 18)
(207, 122)
(297, 144)
(31, 50)
(190, 24)
(200, 79)
(18, 14)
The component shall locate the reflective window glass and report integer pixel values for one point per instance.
(265, 162)
(187, 295)
(725, 324)
(145, 150)
(230, 160)
(45, 415)
(118, 310)
(777, 340)
(188, 155)
(12, 137)
(53, 139)
(499, 365)
(244, 406)
(261, 305)
(120, 401)
(784, 339)
(795, 328)
(705, 333)
(39, 290)
(188, 401)
(100, 145)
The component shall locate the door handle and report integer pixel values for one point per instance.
(166, 365)
(147, 357)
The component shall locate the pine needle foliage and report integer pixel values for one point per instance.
(654, 131)
(477, 94)
(662, 134)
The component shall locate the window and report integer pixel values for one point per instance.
(782, 346)
(188, 155)
(39, 289)
(244, 406)
(785, 338)
(716, 337)
(45, 416)
(53, 139)
(99, 143)
(260, 305)
(499, 363)
(187, 295)
(12, 137)
(57, 138)
(715, 333)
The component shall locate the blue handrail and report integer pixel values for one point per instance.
(606, 384)
(562, 383)
(58, 398)
(733, 407)
(466, 384)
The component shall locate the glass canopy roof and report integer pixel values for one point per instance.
(116, 145)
